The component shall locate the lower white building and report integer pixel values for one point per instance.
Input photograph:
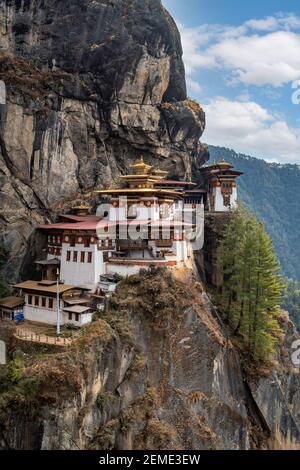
(41, 303)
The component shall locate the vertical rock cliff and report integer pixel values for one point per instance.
(91, 85)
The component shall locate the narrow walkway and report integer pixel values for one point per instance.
(37, 338)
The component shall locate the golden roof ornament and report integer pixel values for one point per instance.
(160, 172)
(140, 167)
(224, 164)
(81, 205)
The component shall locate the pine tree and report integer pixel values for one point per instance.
(253, 286)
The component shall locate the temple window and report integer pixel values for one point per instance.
(82, 256)
(72, 241)
(76, 316)
(87, 242)
(75, 256)
(90, 255)
(68, 255)
(70, 316)
(30, 299)
(36, 301)
(43, 302)
(50, 303)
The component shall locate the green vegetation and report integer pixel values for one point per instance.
(271, 191)
(252, 291)
(36, 377)
(291, 301)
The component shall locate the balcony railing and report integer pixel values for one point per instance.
(164, 243)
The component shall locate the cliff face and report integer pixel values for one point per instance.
(91, 86)
(151, 375)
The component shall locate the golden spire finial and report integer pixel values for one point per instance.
(140, 167)
(224, 164)
(160, 172)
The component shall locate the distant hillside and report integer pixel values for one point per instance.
(272, 191)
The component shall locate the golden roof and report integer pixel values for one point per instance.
(81, 205)
(160, 172)
(224, 164)
(148, 177)
(140, 167)
(137, 190)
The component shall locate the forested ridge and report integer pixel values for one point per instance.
(272, 192)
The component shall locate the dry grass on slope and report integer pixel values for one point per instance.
(51, 378)
(163, 296)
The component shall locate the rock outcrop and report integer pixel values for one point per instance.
(91, 85)
(151, 375)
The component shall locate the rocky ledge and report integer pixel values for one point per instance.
(150, 375)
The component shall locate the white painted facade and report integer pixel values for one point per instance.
(40, 314)
(123, 269)
(218, 204)
(130, 269)
(83, 319)
(81, 273)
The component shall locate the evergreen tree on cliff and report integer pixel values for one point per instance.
(253, 285)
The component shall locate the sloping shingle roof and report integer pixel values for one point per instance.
(12, 302)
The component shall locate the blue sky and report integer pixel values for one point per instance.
(242, 59)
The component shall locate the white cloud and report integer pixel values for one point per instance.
(193, 85)
(287, 21)
(244, 96)
(249, 128)
(258, 52)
